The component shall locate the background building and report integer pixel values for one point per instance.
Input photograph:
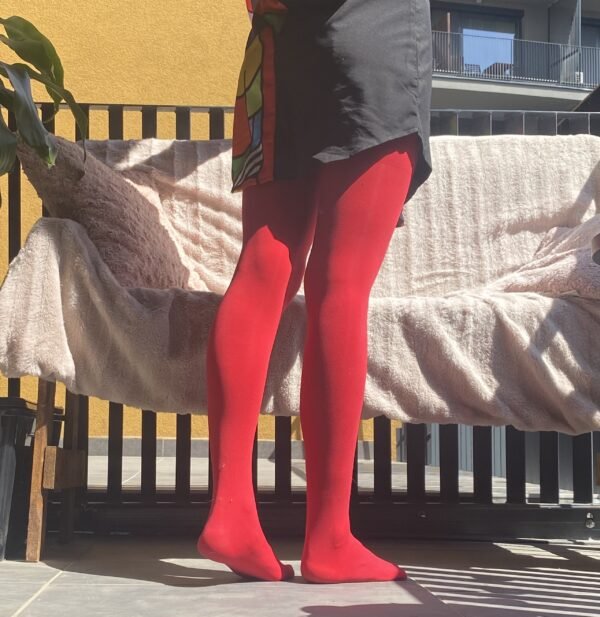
(515, 54)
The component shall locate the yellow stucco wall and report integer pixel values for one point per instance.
(166, 52)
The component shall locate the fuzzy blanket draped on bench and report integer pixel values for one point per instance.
(486, 310)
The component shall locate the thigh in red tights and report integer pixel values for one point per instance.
(348, 211)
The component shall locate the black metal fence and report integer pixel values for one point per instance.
(416, 511)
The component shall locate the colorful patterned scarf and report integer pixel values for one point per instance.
(254, 116)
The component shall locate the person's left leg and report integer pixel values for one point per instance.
(278, 226)
(359, 202)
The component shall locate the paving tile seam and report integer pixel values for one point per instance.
(36, 594)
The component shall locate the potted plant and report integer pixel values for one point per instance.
(41, 64)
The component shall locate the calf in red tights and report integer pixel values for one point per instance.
(347, 210)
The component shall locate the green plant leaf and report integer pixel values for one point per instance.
(78, 113)
(34, 52)
(7, 98)
(8, 149)
(30, 51)
(29, 125)
(23, 31)
(33, 47)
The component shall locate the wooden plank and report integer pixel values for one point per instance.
(36, 529)
(63, 469)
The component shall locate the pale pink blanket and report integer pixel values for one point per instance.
(486, 310)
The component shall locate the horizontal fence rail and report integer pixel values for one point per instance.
(451, 472)
(520, 60)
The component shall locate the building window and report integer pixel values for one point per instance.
(481, 42)
(590, 35)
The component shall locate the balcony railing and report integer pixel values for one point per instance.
(516, 60)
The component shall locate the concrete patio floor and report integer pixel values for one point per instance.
(137, 576)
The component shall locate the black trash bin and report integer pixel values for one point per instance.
(16, 422)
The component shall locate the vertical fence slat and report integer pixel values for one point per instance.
(115, 121)
(113, 485)
(255, 462)
(382, 482)
(48, 120)
(114, 478)
(482, 464)
(149, 121)
(14, 229)
(115, 452)
(515, 465)
(354, 486)
(216, 131)
(85, 107)
(449, 488)
(283, 458)
(549, 467)
(83, 440)
(216, 117)
(148, 483)
(416, 447)
(583, 468)
(210, 473)
(183, 126)
(183, 457)
(68, 513)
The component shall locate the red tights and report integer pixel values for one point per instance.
(347, 210)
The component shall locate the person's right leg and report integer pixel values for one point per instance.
(278, 225)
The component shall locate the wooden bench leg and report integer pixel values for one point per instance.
(36, 529)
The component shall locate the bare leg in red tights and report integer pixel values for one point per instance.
(349, 209)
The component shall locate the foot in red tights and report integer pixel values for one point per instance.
(232, 539)
(345, 561)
